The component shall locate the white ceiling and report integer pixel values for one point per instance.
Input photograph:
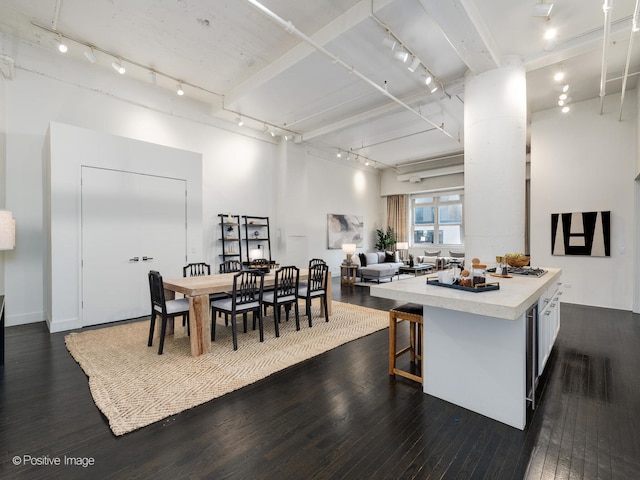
(327, 80)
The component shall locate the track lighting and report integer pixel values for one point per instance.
(239, 121)
(565, 109)
(551, 36)
(402, 55)
(90, 55)
(415, 63)
(542, 9)
(179, 89)
(62, 47)
(389, 42)
(151, 77)
(339, 154)
(427, 79)
(117, 66)
(434, 89)
(558, 76)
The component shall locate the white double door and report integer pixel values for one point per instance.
(131, 223)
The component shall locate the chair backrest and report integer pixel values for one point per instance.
(318, 275)
(316, 261)
(196, 270)
(156, 289)
(259, 261)
(286, 282)
(247, 287)
(230, 266)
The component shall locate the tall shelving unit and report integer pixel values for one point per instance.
(257, 235)
(230, 237)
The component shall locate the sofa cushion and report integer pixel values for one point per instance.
(373, 258)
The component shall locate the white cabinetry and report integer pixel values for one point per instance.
(548, 323)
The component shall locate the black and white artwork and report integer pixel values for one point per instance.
(581, 233)
(344, 229)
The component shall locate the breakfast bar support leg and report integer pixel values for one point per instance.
(199, 325)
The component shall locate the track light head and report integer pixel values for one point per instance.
(239, 121)
(415, 63)
(389, 42)
(62, 47)
(179, 89)
(90, 55)
(402, 55)
(117, 66)
(151, 77)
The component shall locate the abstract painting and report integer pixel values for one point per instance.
(344, 229)
(581, 233)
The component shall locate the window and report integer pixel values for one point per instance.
(437, 219)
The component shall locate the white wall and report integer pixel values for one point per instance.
(584, 162)
(243, 171)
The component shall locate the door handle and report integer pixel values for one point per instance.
(146, 259)
(134, 259)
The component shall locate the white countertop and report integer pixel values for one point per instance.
(513, 298)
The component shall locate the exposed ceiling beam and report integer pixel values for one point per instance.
(465, 30)
(452, 88)
(352, 17)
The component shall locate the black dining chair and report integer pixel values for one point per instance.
(230, 266)
(196, 269)
(246, 297)
(313, 262)
(316, 288)
(164, 308)
(284, 294)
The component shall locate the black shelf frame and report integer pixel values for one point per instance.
(230, 221)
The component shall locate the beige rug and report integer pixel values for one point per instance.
(133, 386)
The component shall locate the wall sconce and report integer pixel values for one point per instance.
(349, 249)
(7, 230)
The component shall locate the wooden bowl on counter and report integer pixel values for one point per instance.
(521, 261)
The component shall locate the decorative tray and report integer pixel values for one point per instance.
(500, 276)
(484, 288)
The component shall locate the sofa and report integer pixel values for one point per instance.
(377, 265)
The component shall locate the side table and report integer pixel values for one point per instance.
(348, 274)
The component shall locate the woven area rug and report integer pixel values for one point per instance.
(133, 386)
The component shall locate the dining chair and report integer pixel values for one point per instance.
(164, 308)
(230, 266)
(312, 262)
(284, 293)
(316, 288)
(196, 269)
(246, 297)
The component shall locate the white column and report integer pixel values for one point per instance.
(495, 126)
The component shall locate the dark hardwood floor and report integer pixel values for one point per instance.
(338, 415)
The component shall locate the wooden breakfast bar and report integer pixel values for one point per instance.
(484, 351)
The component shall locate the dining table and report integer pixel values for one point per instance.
(197, 290)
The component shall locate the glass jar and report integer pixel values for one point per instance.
(478, 274)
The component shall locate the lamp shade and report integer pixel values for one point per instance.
(349, 248)
(7, 230)
(255, 253)
(402, 246)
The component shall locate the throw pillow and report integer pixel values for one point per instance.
(389, 257)
(432, 260)
(363, 259)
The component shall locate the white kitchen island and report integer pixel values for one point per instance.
(476, 350)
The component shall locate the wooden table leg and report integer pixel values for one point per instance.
(199, 324)
(329, 296)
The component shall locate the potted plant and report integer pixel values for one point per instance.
(410, 260)
(386, 239)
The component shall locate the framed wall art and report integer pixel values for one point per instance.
(344, 229)
(581, 233)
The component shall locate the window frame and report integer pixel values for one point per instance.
(437, 203)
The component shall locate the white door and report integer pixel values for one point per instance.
(131, 223)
